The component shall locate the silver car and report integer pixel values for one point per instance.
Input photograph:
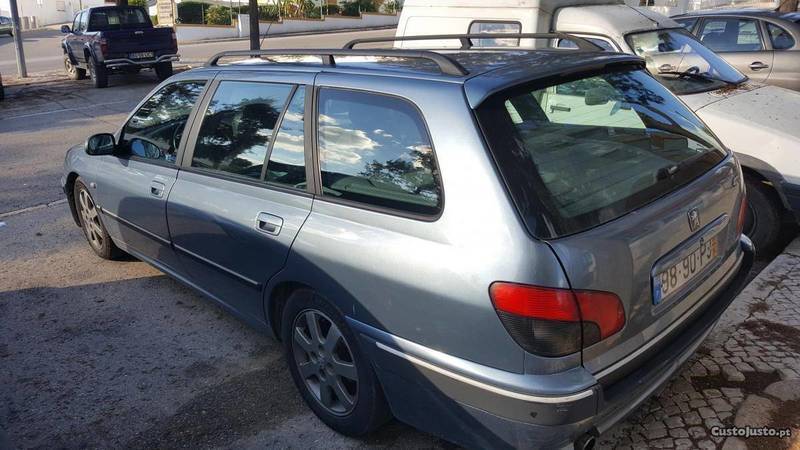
(429, 236)
(762, 44)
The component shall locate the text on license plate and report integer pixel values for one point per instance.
(141, 55)
(671, 279)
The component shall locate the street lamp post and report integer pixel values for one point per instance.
(21, 69)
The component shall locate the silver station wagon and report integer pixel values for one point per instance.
(432, 237)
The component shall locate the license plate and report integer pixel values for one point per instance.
(670, 280)
(141, 55)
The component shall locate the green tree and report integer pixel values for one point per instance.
(218, 15)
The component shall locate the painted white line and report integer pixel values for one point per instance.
(43, 113)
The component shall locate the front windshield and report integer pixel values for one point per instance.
(682, 63)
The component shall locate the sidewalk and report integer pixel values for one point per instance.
(747, 373)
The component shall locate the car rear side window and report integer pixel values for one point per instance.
(688, 23)
(375, 150)
(582, 153)
(731, 35)
(238, 126)
(781, 39)
(156, 129)
(479, 27)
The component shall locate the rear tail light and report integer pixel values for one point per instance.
(742, 215)
(103, 46)
(556, 322)
(174, 41)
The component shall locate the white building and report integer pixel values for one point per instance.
(47, 12)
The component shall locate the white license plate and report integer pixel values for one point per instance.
(141, 55)
(670, 280)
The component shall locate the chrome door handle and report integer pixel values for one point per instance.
(269, 223)
(758, 65)
(157, 189)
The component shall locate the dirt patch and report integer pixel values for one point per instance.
(774, 332)
(787, 416)
(758, 307)
(242, 406)
(754, 382)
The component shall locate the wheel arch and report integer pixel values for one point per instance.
(276, 301)
(69, 190)
(768, 175)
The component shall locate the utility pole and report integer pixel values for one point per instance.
(21, 69)
(255, 44)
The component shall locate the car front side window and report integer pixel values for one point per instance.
(781, 39)
(155, 131)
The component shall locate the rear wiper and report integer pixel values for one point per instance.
(697, 76)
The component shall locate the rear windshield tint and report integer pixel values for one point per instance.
(582, 153)
(108, 19)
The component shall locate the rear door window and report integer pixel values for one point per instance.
(731, 35)
(585, 152)
(688, 23)
(375, 150)
(480, 27)
(238, 127)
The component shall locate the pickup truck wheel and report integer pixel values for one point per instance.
(163, 70)
(92, 224)
(99, 74)
(74, 73)
(333, 374)
(763, 220)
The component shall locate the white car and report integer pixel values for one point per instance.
(760, 123)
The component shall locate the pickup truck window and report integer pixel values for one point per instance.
(117, 18)
(238, 126)
(155, 131)
(585, 152)
(76, 24)
(479, 26)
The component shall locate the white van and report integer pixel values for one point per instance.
(760, 123)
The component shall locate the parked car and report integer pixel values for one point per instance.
(110, 39)
(477, 263)
(2, 89)
(6, 26)
(756, 121)
(763, 45)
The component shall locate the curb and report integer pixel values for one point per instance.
(295, 34)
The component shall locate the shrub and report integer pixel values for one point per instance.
(154, 19)
(354, 8)
(218, 15)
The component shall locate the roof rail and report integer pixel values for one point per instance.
(467, 44)
(447, 65)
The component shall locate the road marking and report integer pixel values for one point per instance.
(33, 208)
(67, 109)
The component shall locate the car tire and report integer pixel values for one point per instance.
(763, 219)
(92, 224)
(359, 406)
(163, 70)
(73, 72)
(98, 73)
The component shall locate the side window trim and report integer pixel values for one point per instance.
(277, 130)
(179, 152)
(186, 152)
(317, 168)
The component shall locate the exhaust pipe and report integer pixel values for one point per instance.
(585, 442)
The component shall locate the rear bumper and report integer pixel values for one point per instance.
(479, 406)
(123, 62)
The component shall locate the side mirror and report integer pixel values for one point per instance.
(101, 144)
(65, 29)
(598, 96)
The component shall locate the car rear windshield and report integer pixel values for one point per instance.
(584, 152)
(106, 19)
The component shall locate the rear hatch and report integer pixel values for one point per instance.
(634, 194)
(135, 44)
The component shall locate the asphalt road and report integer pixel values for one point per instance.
(43, 48)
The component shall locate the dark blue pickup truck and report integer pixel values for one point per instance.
(111, 39)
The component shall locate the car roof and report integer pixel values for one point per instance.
(745, 12)
(488, 70)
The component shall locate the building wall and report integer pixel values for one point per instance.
(48, 12)
(672, 7)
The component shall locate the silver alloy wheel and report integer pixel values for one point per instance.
(90, 219)
(324, 361)
(69, 67)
